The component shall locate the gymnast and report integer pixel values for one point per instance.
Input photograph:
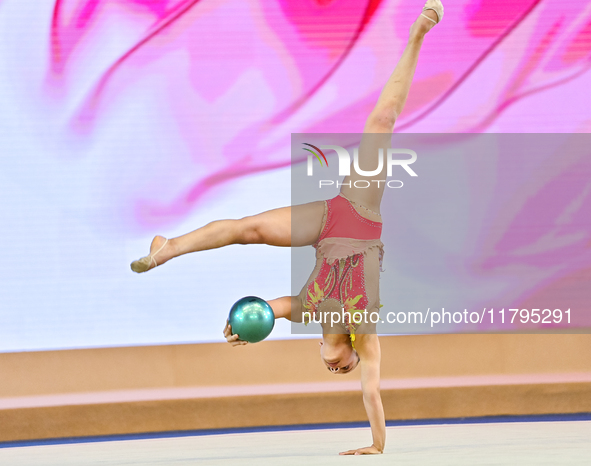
(346, 233)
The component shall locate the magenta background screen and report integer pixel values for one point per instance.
(123, 119)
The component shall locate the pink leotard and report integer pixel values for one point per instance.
(348, 258)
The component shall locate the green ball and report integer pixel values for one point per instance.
(252, 319)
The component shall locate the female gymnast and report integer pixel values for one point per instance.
(346, 233)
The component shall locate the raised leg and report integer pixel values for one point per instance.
(274, 227)
(380, 123)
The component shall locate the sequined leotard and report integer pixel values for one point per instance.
(348, 259)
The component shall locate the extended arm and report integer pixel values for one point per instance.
(368, 348)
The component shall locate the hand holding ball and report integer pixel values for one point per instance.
(252, 319)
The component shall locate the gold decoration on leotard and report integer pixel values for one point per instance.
(314, 299)
(346, 276)
(341, 276)
(331, 280)
(351, 311)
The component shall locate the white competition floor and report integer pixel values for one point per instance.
(511, 443)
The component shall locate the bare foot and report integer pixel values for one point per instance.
(161, 251)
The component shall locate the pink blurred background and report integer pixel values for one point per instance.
(122, 119)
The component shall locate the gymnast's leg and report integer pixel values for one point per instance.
(273, 227)
(380, 123)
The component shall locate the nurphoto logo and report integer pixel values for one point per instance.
(344, 158)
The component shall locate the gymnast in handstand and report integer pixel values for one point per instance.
(346, 233)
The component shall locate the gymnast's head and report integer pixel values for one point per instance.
(337, 354)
